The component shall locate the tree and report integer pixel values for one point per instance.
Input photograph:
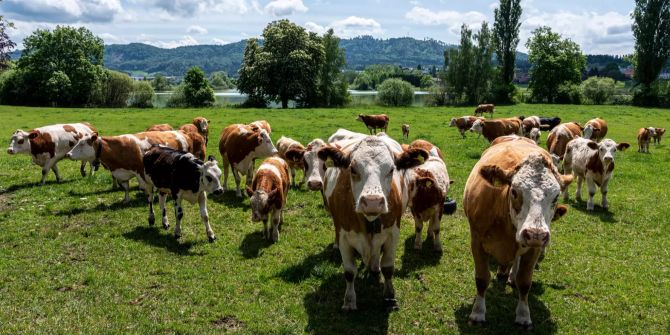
(116, 89)
(142, 95)
(395, 92)
(197, 90)
(220, 80)
(332, 86)
(469, 69)
(160, 83)
(481, 74)
(555, 61)
(458, 62)
(6, 44)
(597, 89)
(651, 28)
(253, 77)
(506, 39)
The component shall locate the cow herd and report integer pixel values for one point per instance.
(366, 182)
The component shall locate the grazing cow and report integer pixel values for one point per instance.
(464, 123)
(261, 124)
(268, 194)
(374, 122)
(558, 138)
(293, 152)
(364, 196)
(529, 123)
(644, 136)
(492, 129)
(659, 134)
(122, 155)
(160, 127)
(592, 161)
(510, 198)
(595, 129)
(509, 138)
(549, 123)
(199, 125)
(49, 144)
(184, 177)
(239, 145)
(405, 131)
(485, 108)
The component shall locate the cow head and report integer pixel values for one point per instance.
(535, 134)
(261, 203)
(477, 126)
(371, 165)
(210, 176)
(85, 149)
(652, 131)
(265, 146)
(314, 168)
(453, 122)
(607, 150)
(203, 127)
(590, 130)
(19, 142)
(361, 118)
(660, 132)
(532, 190)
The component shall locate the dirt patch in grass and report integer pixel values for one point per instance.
(230, 323)
(5, 204)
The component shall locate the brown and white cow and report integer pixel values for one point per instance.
(268, 194)
(659, 134)
(293, 152)
(592, 161)
(510, 199)
(529, 123)
(432, 149)
(344, 134)
(509, 138)
(49, 144)
(405, 131)
(160, 127)
(644, 136)
(122, 155)
(199, 125)
(492, 129)
(558, 138)
(261, 124)
(485, 108)
(239, 146)
(464, 123)
(595, 129)
(374, 122)
(196, 144)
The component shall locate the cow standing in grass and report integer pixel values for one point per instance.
(405, 131)
(658, 135)
(374, 122)
(558, 139)
(268, 194)
(644, 136)
(199, 125)
(292, 152)
(595, 129)
(492, 129)
(485, 108)
(464, 123)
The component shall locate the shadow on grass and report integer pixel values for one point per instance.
(253, 244)
(153, 237)
(138, 200)
(501, 312)
(311, 266)
(603, 214)
(99, 192)
(230, 200)
(36, 184)
(413, 260)
(323, 307)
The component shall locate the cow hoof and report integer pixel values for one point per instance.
(391, 304)
(349, 307)
(476, 319)
(211, 238)
(166, 225)
(526, 325)
(152, 220)
(177, 236)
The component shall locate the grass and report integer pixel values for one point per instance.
(74, 259)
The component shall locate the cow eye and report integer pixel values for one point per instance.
(514, 194)
(354, 172)
(209, 179)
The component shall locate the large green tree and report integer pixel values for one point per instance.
(469, 71)
(332, 86)
(651, 28)
(197, 90)
(253, 78)
(506, 39)
(6, 44)
(482, 70)
(555, 61)
(458, 62)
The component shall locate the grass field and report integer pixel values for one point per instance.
(74, 259)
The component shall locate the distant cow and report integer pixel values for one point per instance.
(595, 129)
(160, 127)
(261, 124)
(549, 123)
(374, 122)
(199, 125)
(492, 129)
(659, 134)
(405, 131)
(364, 196)
(528, 123)
(592, 161)
(559, 137)
(184, 177)
(644, 136)
(509, 200)
(485, 108)
(464, 123)
(293, 152)
(268, 194)
(239, 145)
(49, 144)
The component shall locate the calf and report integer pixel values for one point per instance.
(374, 122)
(549, 123)
(644, 136)
(595, 129)
(485, 108)
(363, 190)
(405, 131)
(268, 194)
(293, 152)
(659, 134)
(510, 198)
(492, 129)
(261, 124)
(464, 123)
(592, 161)
(49, 144)
(160, 127)
(184, 177)
(528, 123)
(199, 125)
(559, 137)
(239, 145)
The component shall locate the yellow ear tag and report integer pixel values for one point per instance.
(429, 183)
(329, 163)
(420, 158)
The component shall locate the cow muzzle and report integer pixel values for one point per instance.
(535, 237)
(68, 155)
(314, 185)
(372, 205)
(218, 191)
(10, 151)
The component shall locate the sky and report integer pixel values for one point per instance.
(599, 27)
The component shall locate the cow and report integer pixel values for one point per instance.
(587, 159)
(374, 122)
(293, 152)
(510, 199)
(432, 149)
(485, 108)
(405, 131)
(363, 190)
(160, 127)
(549, 123)
(595, 129)
(535, 135)
(559, 137)
(659, 134)
(184, 177)
(464, 123)
(344, 134)
(491, 129)
(268, 194)
(199, 125)
(261, 124)
(239, 146)
(529, 123)
(196, 144)
(509, 138)
(122, 155)
(49, 144)
(644, 136)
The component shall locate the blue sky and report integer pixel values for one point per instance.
(598, 26)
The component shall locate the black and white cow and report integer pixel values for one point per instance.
(183, 176)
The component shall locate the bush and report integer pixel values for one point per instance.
(622, 99)
(598, 90)
(437, 96)
(395, 92)
(58, 87)
(116, 89)
(196, 88)
(569, 94)
(177, 98)
(142, 95)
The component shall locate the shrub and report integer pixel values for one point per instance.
(395, 92)
(437, 96)
(177, 98)
(196, 88)
(622, 99)
(58, 87)
(142, 95)
(116, 89)
(569, 94)
(598, 90)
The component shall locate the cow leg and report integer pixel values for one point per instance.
(418, 227)
(578, 194)
(482, 278)
(292, 176)
(524, 279)
(388, 258)
(126, 188)
(162, 199)
(350, 271)
(179, 213)
(511, 279)
(54, 168)
(591, 185)
(150, 200)
(202, 201)
(603, 192)
(82, 169)
(434, 230)
(224, 185)
(462, 132)
(250, 173)
(276, 221)
(238, 179)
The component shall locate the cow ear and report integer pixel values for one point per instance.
(496, 176)
(250, 192)
(93, 138)
(32, 135)
(410, 158)
(559, 212)
(334, 157)
(211, 158)
(295, 155)
(622, 146)
(592, 145)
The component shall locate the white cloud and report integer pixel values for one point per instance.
(195, 29)
(285, 7)
(64, 11)
(111, 38)
(193, 7)
(184, 41)
(220, 41)
(316, 28)
(356, 26)
(451, 19)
